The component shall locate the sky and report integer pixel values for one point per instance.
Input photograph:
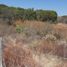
(60, 6)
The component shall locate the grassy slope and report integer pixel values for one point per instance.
(34, 47)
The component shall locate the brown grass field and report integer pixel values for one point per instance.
(38, 44)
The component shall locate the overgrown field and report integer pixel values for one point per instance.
(34, 44)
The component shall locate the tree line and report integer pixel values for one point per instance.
(14, 13)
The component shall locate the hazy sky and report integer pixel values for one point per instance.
(58, 5)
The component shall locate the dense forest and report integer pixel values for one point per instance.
(14, 13)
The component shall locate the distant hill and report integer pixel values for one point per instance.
(2, 5)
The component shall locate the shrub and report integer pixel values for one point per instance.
(18, 29)
(28, 14)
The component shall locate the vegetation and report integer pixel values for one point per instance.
(13, 13)
(18, 29)
(34, 42)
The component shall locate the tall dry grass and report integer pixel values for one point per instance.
(32, 47)
(17, 54)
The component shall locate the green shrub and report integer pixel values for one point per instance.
(18, 29)
(28, 14)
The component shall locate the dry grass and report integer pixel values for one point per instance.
(21, 55)
(32, 47)
(17, 55)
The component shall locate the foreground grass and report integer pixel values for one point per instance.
(37, 44)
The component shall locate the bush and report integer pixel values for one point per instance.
(18, 29)
(28, 14)
(46, 15)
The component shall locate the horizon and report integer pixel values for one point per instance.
(55, 5)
